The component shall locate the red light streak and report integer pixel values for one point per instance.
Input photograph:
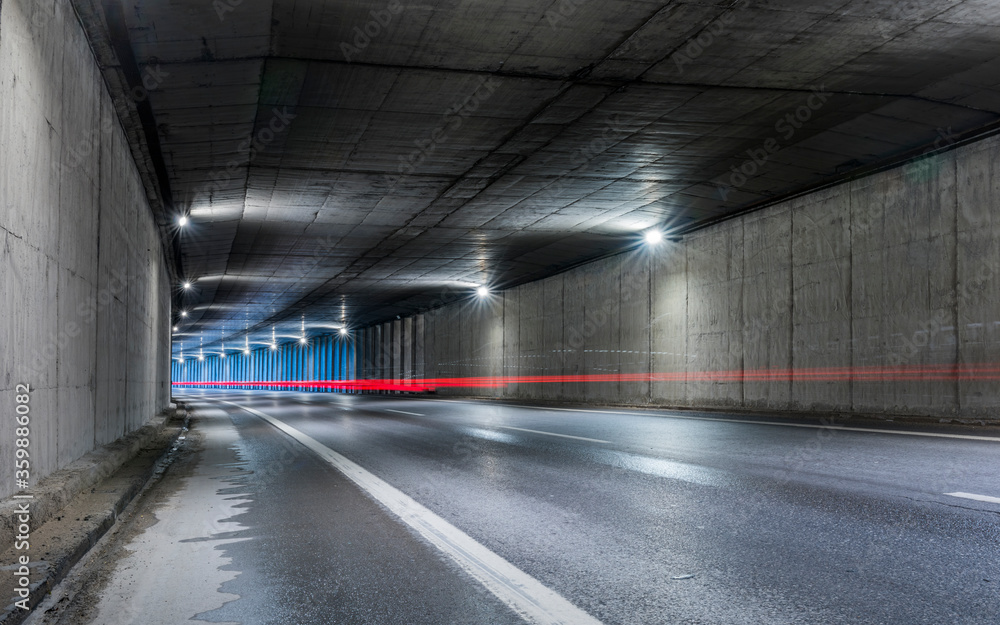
(904, 373)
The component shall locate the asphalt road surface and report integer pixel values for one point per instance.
(323, 508)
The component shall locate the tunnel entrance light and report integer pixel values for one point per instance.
(303, 340)
(653, 237)
(274, 346)
(247, 351)
(482, 291)
(343, 331)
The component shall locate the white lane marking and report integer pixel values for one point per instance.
(970, 437)
(415, 414)
(985, 498)
(579, 438)
(522, 593)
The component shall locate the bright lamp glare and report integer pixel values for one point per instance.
(343, 330)
(246, 351)
(653, 237)
(184, 313)
(482, 291)
(274, 346)
(182, 221)
(302, 340)
(187, 285)
(175, 328)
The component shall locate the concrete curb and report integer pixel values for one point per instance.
(55, 491)
(121, 469)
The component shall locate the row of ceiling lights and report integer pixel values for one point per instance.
(652, 237)
(246, 350)
(481, 289)
(182, 221)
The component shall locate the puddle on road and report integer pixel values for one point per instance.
(174, 570)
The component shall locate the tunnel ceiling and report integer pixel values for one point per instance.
(352, 161)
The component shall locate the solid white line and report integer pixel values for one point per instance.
(522, 593)
(415, 414)
(985, 498)
(844, 428)
(579, 438)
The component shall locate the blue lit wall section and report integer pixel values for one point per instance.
(328, 358)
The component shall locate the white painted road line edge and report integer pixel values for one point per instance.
(578, 438)
(525, 595)
(985, 498)
(971, 437)
(415, 414)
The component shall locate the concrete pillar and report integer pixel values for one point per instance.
(417, 345)
(397, 350)
(634, 326)
(406, 350)
(821, 289)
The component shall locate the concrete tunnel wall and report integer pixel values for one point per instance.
(884, 278)
(85, 290)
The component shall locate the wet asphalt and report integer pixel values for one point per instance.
(633, 516)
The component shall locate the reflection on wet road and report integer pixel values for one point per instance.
(369, 509)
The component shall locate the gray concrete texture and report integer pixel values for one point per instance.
(897, 269)
(335, 175)
(85, 291)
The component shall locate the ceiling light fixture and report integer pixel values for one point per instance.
(653, 237)
(182, 221)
